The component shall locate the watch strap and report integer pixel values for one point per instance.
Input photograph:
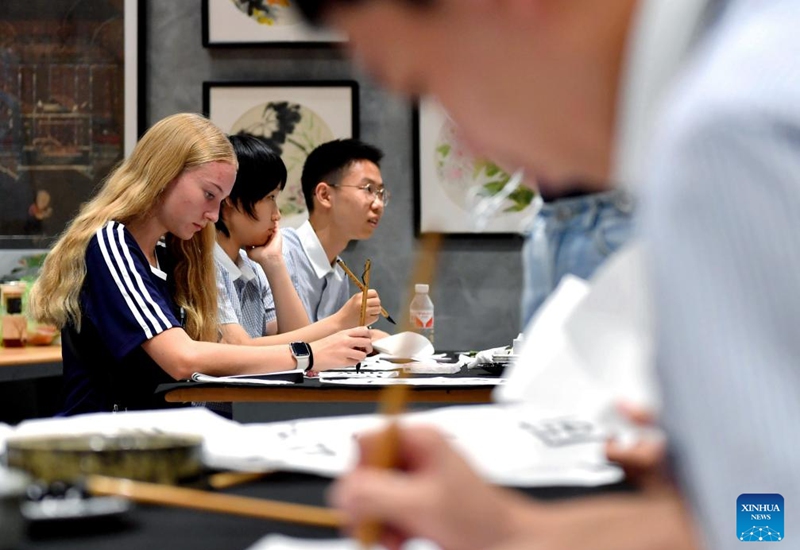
(306, 361)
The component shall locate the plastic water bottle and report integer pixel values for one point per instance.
(421, 312)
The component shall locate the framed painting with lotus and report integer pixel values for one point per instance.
(454, 187)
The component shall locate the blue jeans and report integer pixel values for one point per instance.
(572, 235)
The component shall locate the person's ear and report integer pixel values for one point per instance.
(323, 194)
(225, 208)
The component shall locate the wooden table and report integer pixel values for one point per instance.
(313, 391)
(29, 362)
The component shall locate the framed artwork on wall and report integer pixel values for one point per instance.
(71, 106)
(452, 185)
(293, 116)
(254, 23)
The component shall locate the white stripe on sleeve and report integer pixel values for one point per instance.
(118, 246)
(155, 308)
(112, 268)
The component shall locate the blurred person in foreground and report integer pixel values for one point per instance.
(711, 141)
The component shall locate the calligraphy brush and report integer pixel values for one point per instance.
(360, 287)
(168, 495)
(393, 399)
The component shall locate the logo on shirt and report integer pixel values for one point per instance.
(759, 517)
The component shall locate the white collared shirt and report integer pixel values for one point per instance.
(719, 213)
(244, 296)
(323, 288)
(663, 36)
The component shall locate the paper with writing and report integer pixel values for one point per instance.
(498, 441)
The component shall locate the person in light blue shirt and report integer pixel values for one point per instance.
(721, 218)
(257, 302)
(345, 197)
(250, 215)
(573, 233)
(539, 84)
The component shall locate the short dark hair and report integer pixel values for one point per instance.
(314, 10)
(329, 161)
(261, 171)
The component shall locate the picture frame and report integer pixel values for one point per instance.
(450, 183)
(294, 116)
(259, 23)
(70, 109)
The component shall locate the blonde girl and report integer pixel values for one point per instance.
(131, 280)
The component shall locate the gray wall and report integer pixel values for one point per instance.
(476, 291)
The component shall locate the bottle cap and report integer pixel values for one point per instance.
(423, 289)
(516, 346)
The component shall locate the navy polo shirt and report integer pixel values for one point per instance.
(124, 302)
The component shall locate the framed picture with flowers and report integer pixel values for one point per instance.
(456, 192)
(254, 23)
(293, 116)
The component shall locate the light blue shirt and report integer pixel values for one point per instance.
(573, 236)
(721, 213)
(244, 296)
(322, 288)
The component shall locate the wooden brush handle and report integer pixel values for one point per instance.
(168, 495)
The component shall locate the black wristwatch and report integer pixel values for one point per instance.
(303, 355)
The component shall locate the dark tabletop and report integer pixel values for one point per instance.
(152, 527)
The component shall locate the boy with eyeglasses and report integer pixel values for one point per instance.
(345, 197)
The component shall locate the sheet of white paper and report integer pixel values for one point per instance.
(267, 374)
(239, 380)
(612, 331)
(590, 347)
(431, 367)
(194, 420)
(509, 445)
(374, 363)
(280, 542)
(328, 375)
(433, 381)
(546, 372)
(383, 361)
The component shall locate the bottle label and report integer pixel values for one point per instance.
(423, 320)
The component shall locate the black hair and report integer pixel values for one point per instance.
(314, 10)
(261, 171)
(329, 161)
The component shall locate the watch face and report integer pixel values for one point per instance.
(300, 349)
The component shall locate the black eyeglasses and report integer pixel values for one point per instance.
(378, 192)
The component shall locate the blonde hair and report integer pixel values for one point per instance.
(176, 143)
